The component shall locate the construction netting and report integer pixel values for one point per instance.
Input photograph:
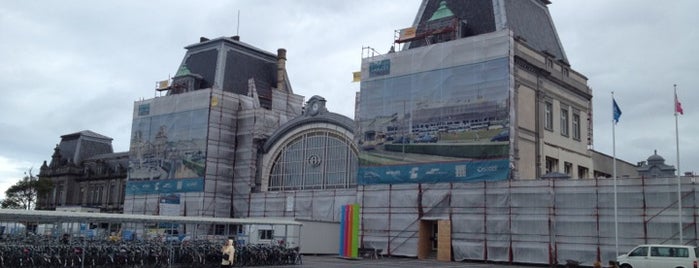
(192, 153)
(543, 221)
(318, 205)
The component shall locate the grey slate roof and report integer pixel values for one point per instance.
(228, 63)
(76, 147)
(531, 20)
(528, 19)
(87, 133)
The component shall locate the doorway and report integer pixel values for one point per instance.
(434, 239)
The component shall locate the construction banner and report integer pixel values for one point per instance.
(439, 113)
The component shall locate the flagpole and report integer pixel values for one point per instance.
(616, 218)
(679, 179)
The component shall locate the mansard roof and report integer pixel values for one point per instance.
(78, 146)
(228, 63)
(529, 20)
(86, 133)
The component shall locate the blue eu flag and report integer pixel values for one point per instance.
(617, 111)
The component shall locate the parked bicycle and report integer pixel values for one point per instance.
(43, 251)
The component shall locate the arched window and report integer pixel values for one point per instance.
(315, 159)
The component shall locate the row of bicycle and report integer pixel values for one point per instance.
(100, 253)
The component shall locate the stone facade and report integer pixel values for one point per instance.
(553, 115)
(85, 173)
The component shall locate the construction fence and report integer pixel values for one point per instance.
(541, 221)
(515, 221)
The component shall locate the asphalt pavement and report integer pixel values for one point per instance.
(326, 261)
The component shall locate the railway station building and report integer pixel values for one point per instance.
(472, 140)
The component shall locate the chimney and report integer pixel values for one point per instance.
(281, 69)
(203, 39)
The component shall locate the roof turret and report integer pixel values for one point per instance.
(442, 12)
(655, 158)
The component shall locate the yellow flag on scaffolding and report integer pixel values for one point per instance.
(356, 76)
(163, 84)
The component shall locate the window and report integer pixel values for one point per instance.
(568, 168)
(582, 172)
(112, 193)
(669, 252)
(81, 196)
(59, 201)
(639, 252)
(238, 229)
(95, 192)
(681, 252)
(576, 126)
(265, 234)
(551, 164)
(100, 191)
(317, 159)
(548, 109)
(122, 193)
(219, 229)
(564, 121)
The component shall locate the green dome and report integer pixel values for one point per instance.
(442, 12)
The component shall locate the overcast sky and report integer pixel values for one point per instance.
(68, 66)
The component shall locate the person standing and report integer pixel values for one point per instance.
(228, 253)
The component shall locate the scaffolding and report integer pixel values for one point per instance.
(514, 221)
(542, 222)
